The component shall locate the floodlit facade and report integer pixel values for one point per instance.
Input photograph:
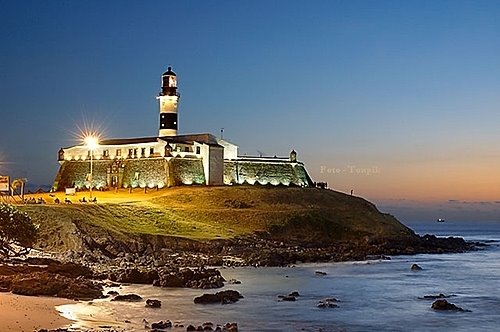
(170, 159)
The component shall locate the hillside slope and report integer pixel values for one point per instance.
(184, 215)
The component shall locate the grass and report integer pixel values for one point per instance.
(203, 213)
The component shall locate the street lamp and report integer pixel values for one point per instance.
(91, 142)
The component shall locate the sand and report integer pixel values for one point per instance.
(30, 313)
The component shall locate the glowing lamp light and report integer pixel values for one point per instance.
(91, 142)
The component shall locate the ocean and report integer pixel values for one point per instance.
(380, 295)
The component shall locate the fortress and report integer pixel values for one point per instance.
(170, 159)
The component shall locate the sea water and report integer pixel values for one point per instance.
(381, 295)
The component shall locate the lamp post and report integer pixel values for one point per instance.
(91, 143)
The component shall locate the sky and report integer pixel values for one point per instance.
(396, 100)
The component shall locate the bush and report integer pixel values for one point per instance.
(17, 231)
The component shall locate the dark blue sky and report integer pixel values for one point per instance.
(406, 88)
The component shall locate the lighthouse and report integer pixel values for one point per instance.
(169, 98)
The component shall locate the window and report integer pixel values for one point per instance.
(135, 153)
(143, 152)
(105, 153)
(130, 151)
(186, 149)
(151, 151)
(197, 150)
(118, 152)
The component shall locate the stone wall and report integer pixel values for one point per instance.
(150, 172)
(160, 172)
(266, 172)
(74, 174)
(142, 173)
(186, 171)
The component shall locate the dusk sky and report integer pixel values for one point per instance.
(407, 90)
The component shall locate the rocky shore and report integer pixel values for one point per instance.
(141, 263)
(80, 275)
(84, 276)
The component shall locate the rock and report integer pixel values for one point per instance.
(328, 303)
(442, 304)
(112, 292)
(49, 284)
(151, 303)
(162, 325)
(233, 282)
(127, 298)
(415, 267)
(223, 297)
(320, 273)
(190, 328)
(193, 278)
(288, 298)
(230, 327)
(135, 276)
(70, 270)
(294, 294)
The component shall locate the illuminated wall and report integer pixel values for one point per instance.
(74, 173)
(266, 172)
(143, 173)
(136, 173)
(186, 171)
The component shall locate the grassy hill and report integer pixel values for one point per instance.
(307, 215)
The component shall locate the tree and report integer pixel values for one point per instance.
(18, 233)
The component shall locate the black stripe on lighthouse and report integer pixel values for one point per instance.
(168, 121)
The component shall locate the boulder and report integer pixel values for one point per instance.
(415, 267)
(127, 298)
(48, 284)
(192, 278)
(442, 304)
(320, 273)
(152, 303)
(328, 303)
(223, 297)
(162, 325)
(233, 282)
(288, 298)
(230, 327)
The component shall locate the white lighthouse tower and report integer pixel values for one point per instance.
(169, 98)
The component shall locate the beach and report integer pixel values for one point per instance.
(373, 295)
(30, 313)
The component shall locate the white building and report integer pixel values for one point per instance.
(170, 159)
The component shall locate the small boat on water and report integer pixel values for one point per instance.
(440, 220)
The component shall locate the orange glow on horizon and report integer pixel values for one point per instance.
(472, 179)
